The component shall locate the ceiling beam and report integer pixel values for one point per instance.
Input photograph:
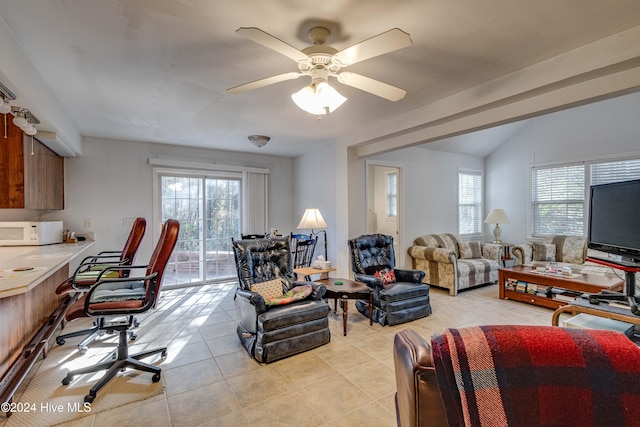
(602, 69)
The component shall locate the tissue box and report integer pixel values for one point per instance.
(322, 265)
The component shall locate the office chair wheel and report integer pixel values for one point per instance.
(163, 354)
(156, 377)
(60, 341)
(132, 336)
(66, 380)
(89, 398)
(136, 323)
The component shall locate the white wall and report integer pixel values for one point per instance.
(315, 187)
(604, 129)
(429, 191)
(112, 181)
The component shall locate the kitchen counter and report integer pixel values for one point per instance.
(43, 261)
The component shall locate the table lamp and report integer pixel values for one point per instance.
(311, 219)
(497, 217)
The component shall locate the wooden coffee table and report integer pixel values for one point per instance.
(349, 289)
(590, 283)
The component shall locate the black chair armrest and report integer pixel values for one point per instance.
(253, 298)
(318, 289)
(149, 300)
(411, 276)
(369, 280)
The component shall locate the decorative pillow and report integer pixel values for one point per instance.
(470, 250)
(297, 293)
(383, 272)
(269, 290)
(544, 252)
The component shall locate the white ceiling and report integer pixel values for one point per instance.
(157, 70)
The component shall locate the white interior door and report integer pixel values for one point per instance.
(384, 203)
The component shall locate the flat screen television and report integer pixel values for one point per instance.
(614, 219)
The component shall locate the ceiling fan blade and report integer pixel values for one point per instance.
(370, 85)
(377, 45)
(264, 82)
(267, 40)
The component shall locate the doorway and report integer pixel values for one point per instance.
(384, 201)
(208, 208)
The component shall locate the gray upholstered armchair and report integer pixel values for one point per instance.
(270, 332)
(403, 300)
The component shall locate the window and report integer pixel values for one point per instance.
(557, 200)
(559, 193)
(392, 195)
(208, 209)
(469, 202)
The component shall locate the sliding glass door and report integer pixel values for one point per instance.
(208, 209)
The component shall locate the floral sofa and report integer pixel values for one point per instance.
(455, 265)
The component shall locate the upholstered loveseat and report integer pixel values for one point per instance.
(455, 265)
(567, 251)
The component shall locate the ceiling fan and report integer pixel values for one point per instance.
(321, 61)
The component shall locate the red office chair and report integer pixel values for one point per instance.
(90, 269)
(125, 297)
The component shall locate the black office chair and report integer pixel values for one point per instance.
(92, 267)
(125, 297)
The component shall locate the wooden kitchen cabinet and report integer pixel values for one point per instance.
(28, 181)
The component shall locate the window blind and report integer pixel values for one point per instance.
(606, 172)
(557, 200)
(469, 202)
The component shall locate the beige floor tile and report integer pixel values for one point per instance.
(289, 411)
(257, 386)
(224, 345)
(374, 378)
(370, 415)
(237, 363)
(184, 355)
(334, 397)
(153, 412)
(343, 357)
(191, 376)
(201, 405)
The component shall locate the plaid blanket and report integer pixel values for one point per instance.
(537, 376)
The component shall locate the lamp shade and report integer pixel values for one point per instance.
(317, 98)
(497, 216)
(311, 219)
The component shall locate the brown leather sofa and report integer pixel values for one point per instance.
(517, 375)
(418, 401)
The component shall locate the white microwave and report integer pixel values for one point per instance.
(30, 233)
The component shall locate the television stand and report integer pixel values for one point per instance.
(629, 296)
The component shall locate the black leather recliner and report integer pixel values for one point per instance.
(405, 300)
(270, 333)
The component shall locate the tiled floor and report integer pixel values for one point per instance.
(211, 381)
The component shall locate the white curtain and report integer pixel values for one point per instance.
(255, 203)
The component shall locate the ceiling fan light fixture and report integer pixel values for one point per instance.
(317, 98)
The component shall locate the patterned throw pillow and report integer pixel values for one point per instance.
(297, 293)
(269, 290)
(544, 252)
(470, 250)
(383, 272)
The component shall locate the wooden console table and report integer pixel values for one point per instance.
(584, 283)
